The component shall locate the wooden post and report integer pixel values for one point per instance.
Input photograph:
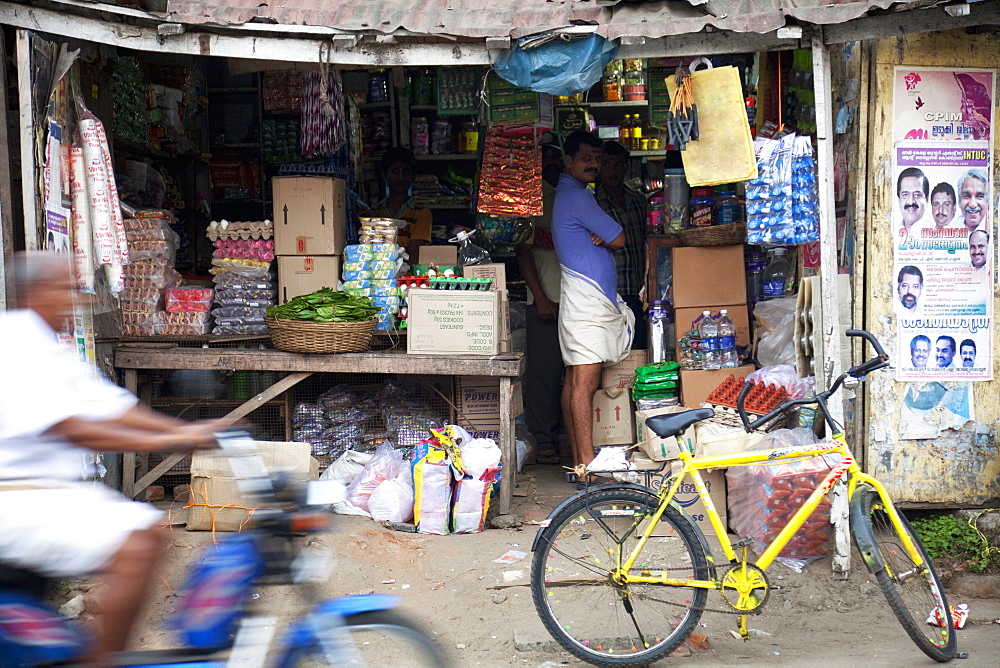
(831, 327)
(26, 125)
(508, 451)
(6, 210)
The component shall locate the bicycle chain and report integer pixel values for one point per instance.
(732, 611)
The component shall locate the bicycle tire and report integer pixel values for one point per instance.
(913, 592)
(385, 638)
(576, 541)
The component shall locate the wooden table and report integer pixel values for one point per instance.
(506, 367)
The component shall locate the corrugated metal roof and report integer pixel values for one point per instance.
(517, 18)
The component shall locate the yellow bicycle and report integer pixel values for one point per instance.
(613, 594)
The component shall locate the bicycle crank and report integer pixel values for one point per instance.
(744, 587)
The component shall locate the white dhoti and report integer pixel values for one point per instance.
(592, 329)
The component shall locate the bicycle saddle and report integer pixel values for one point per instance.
(672, 424)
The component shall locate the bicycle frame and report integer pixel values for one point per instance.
(692, 466)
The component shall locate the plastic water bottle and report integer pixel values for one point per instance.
(709, 333)
(659, 319)
(728, 357)
(776, 274)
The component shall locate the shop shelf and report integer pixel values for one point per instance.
(447, 156)
(640, 103)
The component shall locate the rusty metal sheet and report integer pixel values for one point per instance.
(477, 19)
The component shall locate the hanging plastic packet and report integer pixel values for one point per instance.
(468, 252)
(769, 196)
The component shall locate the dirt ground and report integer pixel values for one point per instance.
(481, 614)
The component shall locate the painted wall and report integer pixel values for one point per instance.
(959, 467)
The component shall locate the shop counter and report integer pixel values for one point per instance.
(131, 358)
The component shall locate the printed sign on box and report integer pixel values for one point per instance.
(446, 322)
(612, 417)
(688, 499)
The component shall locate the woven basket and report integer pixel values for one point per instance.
(299, 336)
(716, 235)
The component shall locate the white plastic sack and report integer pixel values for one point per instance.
(478, 455)
(347, 467)
(384, 465)
(392, 500)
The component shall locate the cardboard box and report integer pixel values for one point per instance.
(441, 256)
(622, 375)
(309, 215)
(495, 270)
(302, 274)
(656, 448)
(213, 484)
(712, 438)
(447, 322)
(688, 499)
(683, 317)
(478, 401)
(612, 417)
(697, 385)
(708, 275)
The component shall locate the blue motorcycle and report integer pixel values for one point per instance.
(216, 622)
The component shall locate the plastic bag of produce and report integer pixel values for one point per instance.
(431, 489)
(384, 465)
(763, 498)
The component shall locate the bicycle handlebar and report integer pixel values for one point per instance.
(881, 360)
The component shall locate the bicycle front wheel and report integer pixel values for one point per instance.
(913, 591)
(577, 598)
(376, 638)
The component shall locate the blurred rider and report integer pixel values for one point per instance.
(55, 411)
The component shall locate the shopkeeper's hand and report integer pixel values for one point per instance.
(546, 308)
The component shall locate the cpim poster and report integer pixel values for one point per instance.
(943, 224)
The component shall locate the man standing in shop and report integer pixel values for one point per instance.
(396, 169)
(628, 208)
(595, 325)
(973, 198)
(537, 261)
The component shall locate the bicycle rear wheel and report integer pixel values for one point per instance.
(913, 591)
(376, 638)
(594, 618)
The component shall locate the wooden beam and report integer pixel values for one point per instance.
(6, 198)
(899, 24)
(507, 364)
(508, 451)
(26, 127)
(246, 45)
(831, 328)
(256, 402)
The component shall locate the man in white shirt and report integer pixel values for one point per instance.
(973, 198)
(54, 411)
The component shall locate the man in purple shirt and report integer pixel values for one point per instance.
(595, 325)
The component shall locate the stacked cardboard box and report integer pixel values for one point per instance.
(612, 404)
(724, 288)
(309, 232)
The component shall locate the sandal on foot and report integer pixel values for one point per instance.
(551, 458)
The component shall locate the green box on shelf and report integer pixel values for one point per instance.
(513, 96)
(523, 113)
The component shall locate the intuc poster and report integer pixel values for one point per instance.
(942, 223)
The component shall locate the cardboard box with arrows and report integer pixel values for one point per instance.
(612, 412)
(310, 215)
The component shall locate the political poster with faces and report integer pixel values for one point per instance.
(943, 223)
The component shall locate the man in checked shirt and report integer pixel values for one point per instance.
(628, 208)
